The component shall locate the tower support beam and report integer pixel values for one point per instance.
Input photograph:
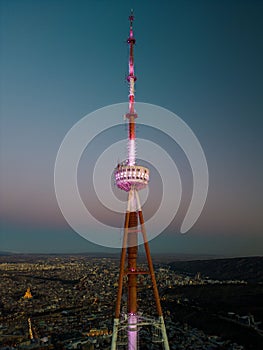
(150, 265)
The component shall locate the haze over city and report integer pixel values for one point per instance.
(62, 60)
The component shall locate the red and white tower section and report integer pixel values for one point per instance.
(132, 177)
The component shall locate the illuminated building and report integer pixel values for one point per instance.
(28, 294)
(132, 177)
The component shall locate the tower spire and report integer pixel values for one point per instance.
(131, 78)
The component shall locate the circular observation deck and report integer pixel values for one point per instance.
(128, 176)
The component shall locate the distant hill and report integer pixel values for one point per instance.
(248, 268)
(5, 253)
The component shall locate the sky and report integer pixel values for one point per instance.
(202, 60)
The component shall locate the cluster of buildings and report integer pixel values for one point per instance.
(195, 339)
(65, 297)
(70, 302)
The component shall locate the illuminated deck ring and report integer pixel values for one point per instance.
(128, 176)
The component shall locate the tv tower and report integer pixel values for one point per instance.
(132, 177)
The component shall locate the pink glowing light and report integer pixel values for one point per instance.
(132, 332)
(132, 151)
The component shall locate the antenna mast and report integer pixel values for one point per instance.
(131, 78)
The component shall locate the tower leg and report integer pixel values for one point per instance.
(155, 289)
(122, 265)
(150, 265)
(164, 334)
(120, 284)
(115, 334)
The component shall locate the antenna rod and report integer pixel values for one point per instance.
(131, 78)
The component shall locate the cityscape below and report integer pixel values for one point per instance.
(67, 302)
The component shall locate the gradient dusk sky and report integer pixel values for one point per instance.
(202, 60)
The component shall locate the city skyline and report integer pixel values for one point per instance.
(63, 60)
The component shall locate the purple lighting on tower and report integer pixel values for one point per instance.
(132, 177)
